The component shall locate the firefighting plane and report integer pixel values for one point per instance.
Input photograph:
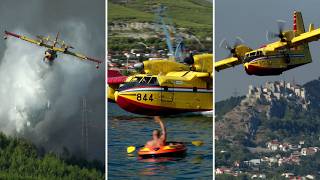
(53, 47)
(178, 84)
(290, 51)
(165, 86)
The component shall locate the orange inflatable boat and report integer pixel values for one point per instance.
(171, 149)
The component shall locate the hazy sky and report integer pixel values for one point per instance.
(44, 103)
(250, 19)
(44, 16)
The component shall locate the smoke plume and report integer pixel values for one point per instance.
(44, 103)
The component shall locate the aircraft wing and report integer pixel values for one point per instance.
(80, 56)
(306, 37)
(203, 75)
(303, 38)
(25, 38)
(227, 63)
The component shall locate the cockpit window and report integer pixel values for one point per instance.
(145, 80)
(252, 55)
(136, 79)
(259, 53)
(153, 80)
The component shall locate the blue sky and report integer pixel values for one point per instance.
(250, 19)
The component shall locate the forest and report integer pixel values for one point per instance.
(20, 159)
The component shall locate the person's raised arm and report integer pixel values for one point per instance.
(163, 128)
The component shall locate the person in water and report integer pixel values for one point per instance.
(158, 138)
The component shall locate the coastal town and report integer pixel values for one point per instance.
(283, 153)
(126, 59)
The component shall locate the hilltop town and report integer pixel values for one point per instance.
(274, 91)
(271, 132)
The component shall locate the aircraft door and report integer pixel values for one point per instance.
(167, 93)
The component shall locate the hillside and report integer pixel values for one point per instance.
(283, 114)
(136, 20)
(19, 159)
(178, 10)
(265, 111)
(222, 107)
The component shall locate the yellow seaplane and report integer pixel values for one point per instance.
(166, 87)
(290, 51)
(53, 47)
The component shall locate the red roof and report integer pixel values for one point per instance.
(117, 80)
(115, 77)
(114, 73)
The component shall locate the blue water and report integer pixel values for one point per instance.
(125, 129)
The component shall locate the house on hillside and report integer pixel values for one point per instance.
(223, 170)
(309, 151)
(273, 145)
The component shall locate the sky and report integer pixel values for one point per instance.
(44, 103)
(250, 19)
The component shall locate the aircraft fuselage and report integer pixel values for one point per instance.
(267, 64)
(50, 55)
(149, 97)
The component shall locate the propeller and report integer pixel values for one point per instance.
(56, 41)
(279, 34)
(43, 38)
(189, 59)
(40, 37)
(232, 49)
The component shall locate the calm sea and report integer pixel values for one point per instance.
(125, 129)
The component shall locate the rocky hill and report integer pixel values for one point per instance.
(276, 110)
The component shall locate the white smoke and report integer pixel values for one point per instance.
(38, 100)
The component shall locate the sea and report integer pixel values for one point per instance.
(127, 129)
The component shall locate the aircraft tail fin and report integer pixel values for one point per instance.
(298, 28)
(298, 25)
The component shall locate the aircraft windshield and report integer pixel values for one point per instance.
(154, 81)
(136, 79)
(140, 81)
(145, 80)
(253, 55)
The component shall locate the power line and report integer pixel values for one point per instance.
(85, 130)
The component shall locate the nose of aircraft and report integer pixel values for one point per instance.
(116, 95)
(246, 68)
(246, 65)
